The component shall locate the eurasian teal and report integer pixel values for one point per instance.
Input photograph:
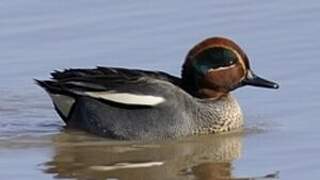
(137, 104)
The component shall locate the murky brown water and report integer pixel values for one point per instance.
(281, 132)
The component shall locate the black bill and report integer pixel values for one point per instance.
(254, 80)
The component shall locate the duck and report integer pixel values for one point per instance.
(133, 104)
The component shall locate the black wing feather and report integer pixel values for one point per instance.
(112, 73)
(78, 81)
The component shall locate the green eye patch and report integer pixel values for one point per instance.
(213, 58)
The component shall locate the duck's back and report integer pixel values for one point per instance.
(124, 104)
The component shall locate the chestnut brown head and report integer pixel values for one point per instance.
(216, 66)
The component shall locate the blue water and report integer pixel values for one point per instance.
(280, 37)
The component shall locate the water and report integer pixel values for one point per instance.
(281, 133)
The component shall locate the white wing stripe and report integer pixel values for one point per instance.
(127, 98)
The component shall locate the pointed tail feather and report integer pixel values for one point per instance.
(50, 86)
(62, 100)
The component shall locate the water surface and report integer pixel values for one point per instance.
(281, 133)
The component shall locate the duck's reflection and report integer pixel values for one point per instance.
(85, 157)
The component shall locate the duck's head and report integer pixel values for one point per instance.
(216, 66)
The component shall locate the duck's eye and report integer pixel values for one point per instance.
(230, 62)
(213, 58)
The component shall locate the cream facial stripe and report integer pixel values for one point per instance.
(221, 68)
(127, 98)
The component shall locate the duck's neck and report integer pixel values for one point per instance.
(219, 115)
(203, 93)
(200, 89)
(206, 93)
